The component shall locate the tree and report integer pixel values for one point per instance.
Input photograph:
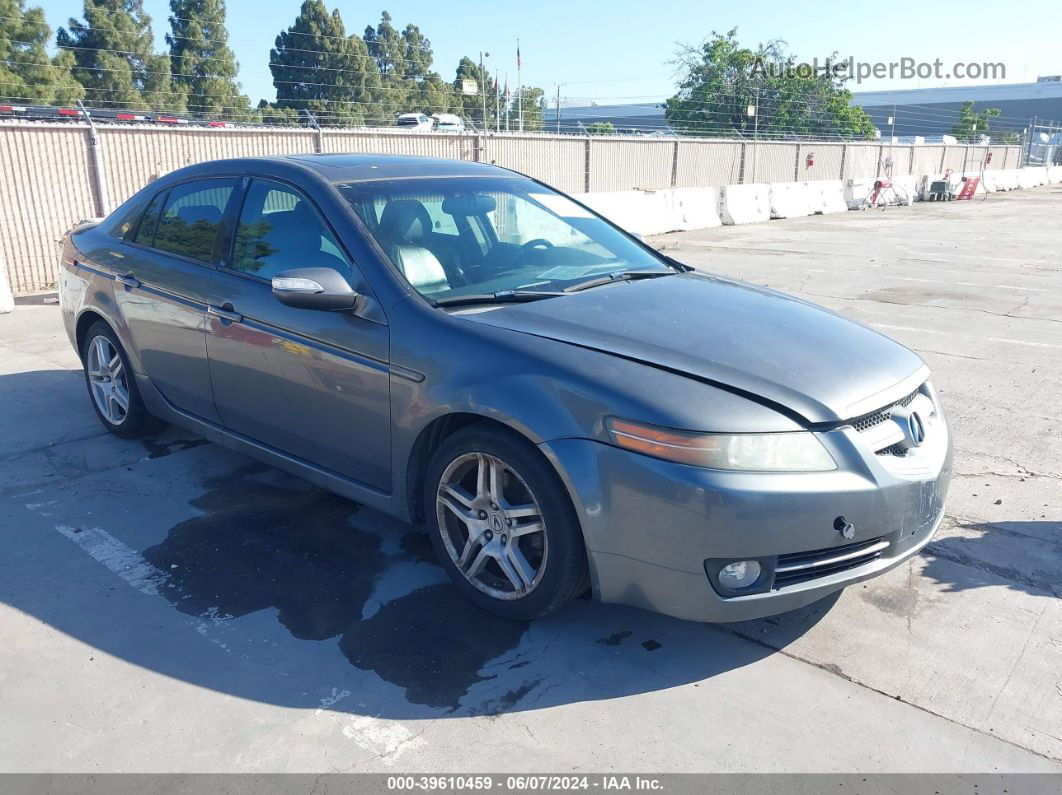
(202, 61)
(426, 90)
(533, 101)
(972, 125)
(113, 58)
(601, 128)
(27, 74)
(269, 113)
(317, 67)
(387, 50)
(726, 89)
(470, 106)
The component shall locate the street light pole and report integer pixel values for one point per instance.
(483, 87)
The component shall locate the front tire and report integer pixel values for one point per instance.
(502, 524)
(112, 386)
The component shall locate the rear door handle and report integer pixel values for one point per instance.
(225, 314)
(127, 279)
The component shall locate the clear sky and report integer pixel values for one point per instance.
(619, 51)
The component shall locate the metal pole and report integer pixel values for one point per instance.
(558, 108)
(97, 163)
(483, 91)
(497, 107)
(519, 91)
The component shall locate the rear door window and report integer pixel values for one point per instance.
(191, 220)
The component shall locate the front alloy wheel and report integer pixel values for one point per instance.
(503, 524)
(492, 526)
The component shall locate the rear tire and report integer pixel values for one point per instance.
(112, 386)
(503, 525)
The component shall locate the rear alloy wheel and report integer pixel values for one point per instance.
(503, 525)
(112, 386)
(108, 380)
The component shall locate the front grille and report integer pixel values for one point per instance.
(800, 567)
(897, 450)
(868, 421)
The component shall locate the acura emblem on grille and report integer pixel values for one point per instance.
(916, 429)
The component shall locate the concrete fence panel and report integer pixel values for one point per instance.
(47, 187)
(50, 180)
(618, 164)
(134, 156)
(861, 160)
(560, 162)
(770, 162)
(703, 162)
(955, 158)
(453, 147)
(825, 161)
(926, 160)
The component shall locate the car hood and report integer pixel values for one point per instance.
(770, 347)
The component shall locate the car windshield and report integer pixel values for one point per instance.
(465, 236)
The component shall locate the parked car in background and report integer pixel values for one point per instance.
(563, 406)
(448, 122)
(415, 121)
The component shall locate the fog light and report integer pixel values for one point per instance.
(740, 574)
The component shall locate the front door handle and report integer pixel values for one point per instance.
(127, 279)
(226, 313)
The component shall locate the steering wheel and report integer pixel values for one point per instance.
(538, 242)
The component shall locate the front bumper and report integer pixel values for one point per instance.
(651, 525)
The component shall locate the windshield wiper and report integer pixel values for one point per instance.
(616, 276)
(501, 297)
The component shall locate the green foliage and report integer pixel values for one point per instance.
(269, 113)
(317, 67)
(972, 125)
(407, 81)
(202, 61)
(721, 80)
(534, 106)
(470, 106)
(113, 58)
(601, 128)
(27, 73)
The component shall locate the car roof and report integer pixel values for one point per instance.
(345, 168)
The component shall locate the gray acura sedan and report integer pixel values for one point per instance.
(564, 407)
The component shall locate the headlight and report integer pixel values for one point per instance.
(797, 451)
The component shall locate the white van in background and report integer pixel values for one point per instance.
(448, 122)
(417, 122)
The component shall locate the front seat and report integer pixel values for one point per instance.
(404, 230)
(294, 241)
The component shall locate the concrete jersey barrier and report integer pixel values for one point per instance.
(744, 204)
(638, 211)
(826, 196)
(789, 200)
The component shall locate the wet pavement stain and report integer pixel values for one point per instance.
(160, 449)
(651, 645)
(271, 542)
(615, 639)
(432, 642)
(259, 546)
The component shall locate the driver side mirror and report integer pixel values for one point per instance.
(314, 288)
